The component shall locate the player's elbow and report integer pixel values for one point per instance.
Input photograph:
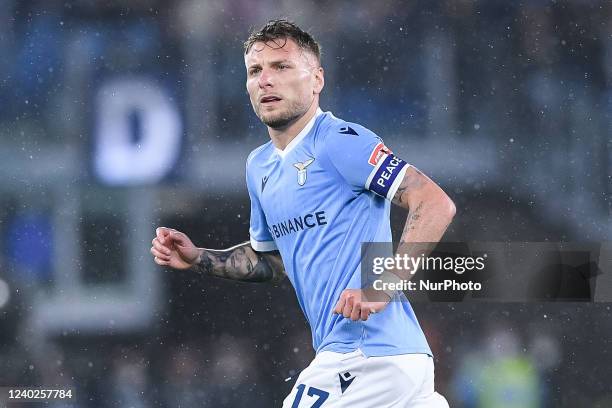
(433, 200)
(445, 207)
(451, 209)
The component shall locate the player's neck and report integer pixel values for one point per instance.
(282, 137)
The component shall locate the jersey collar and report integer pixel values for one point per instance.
(296, 140)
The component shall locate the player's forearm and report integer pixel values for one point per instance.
(242, 263)
(430, 213)
(428, 221)
(425, 226)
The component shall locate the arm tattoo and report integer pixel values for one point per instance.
(242, 263)
(413, 180)
(429, 214)
(413, 218)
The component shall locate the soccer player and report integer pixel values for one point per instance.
(319, 188)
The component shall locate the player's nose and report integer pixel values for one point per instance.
(265, 78)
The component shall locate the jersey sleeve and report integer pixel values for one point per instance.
(363, 160)
(260, 237)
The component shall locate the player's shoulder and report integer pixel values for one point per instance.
(331, 126)
(260, 153)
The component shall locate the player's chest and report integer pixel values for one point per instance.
(298, 181)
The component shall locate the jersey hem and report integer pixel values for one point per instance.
(375, 353)
(263, 246)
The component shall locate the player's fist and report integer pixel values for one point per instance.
(358, 304)
(174, 249)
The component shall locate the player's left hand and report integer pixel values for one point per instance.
(358, 304)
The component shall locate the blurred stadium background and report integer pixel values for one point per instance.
(120, 116)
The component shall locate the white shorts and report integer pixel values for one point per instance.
(335, 380)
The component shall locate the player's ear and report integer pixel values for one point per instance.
(319, 80)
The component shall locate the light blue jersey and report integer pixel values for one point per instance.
(316, 202)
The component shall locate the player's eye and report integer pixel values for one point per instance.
(283, 67)
(254, 71)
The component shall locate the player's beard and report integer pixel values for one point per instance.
(282, 118)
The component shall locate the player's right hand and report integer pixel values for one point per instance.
(174, 249)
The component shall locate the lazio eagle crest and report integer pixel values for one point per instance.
(301, 168)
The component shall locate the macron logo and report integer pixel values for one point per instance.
(264, 181)
(347, 130)
(345, 380)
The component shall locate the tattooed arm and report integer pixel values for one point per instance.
(430, 213)
(242, 263)
(174, 249)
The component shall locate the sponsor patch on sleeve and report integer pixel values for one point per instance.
(378, 152)
(386, 176)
